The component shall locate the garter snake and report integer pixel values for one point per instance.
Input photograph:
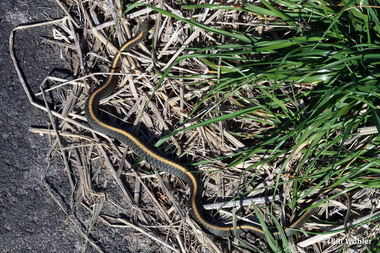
(162, 163)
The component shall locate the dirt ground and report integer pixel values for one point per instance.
(30, 219)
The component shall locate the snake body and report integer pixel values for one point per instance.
(151, 156)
